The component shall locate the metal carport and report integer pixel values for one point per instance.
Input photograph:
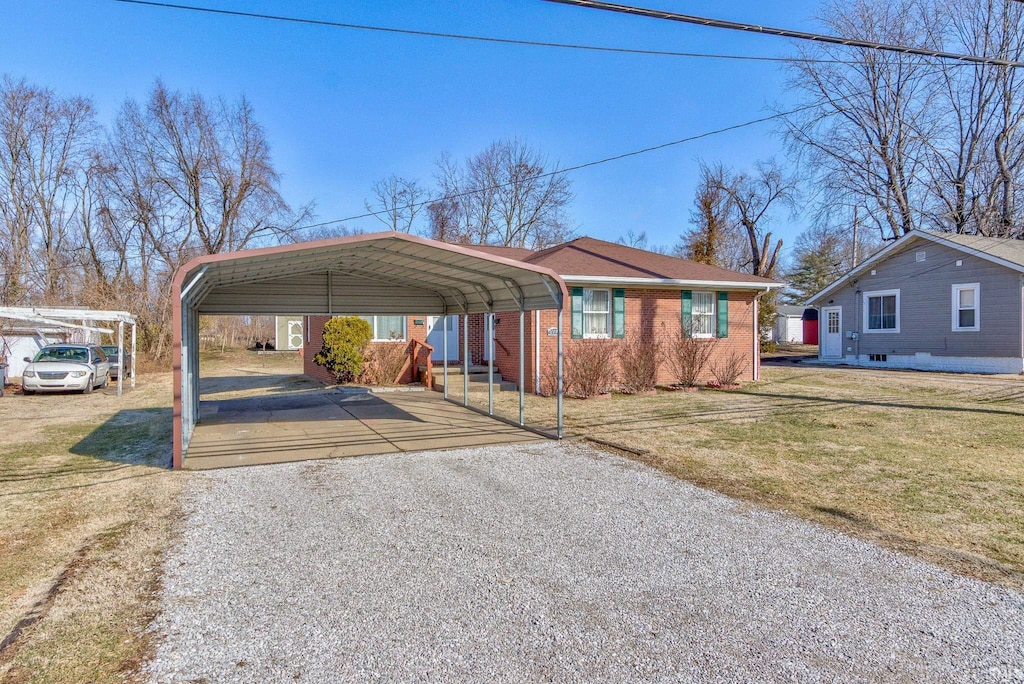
(379, 273)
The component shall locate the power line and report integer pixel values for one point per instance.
(784, 33)
(569, 169)
(481, 39)
(577, 167)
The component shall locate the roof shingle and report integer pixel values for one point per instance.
(588, 256)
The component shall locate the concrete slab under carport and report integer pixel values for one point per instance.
(333, 423)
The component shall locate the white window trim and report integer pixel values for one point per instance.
(373, 328)
(608, 315)
(864, 306)
(957, 288)
(714, 315)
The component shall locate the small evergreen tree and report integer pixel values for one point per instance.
(344, 347)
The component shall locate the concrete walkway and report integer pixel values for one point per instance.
(304, 425)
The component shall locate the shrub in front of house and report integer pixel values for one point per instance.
(639, 359)
(727, 369)
(687, 356)
(384, 363)
(344, 347)
(589, 367)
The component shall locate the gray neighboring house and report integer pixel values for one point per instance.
(929, 301)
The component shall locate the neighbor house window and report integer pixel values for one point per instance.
(703, 314)
(965, 307)
(882, 311)
(387, 328)
(597, 313)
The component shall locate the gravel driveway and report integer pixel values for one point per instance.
(548, 562)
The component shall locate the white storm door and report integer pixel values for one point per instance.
(832, 332)
(436, 330)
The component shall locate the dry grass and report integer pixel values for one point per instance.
(925, 463)
(87, 508)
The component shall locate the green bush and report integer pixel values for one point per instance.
(344, 347)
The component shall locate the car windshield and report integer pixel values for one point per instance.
(109, 349)
(77, 354)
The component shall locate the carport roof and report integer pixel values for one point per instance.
(379, 273)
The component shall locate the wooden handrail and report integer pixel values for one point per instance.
(428, 380)
(503, 347)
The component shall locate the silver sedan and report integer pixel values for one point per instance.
(66, 367)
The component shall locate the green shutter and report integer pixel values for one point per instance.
(687, 312)
(576, 312)
(723, 314)
(618, 313)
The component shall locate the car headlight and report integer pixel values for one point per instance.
(78, 374)
(29, 373)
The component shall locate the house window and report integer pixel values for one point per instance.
(387, 328)
(965, 307)
(597, 313)
(703, 313)
(882, 311)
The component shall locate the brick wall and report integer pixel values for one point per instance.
(649, 312)
(315, 327)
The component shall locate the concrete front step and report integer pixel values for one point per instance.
(499, 385)
(476, 373)
(454, 367)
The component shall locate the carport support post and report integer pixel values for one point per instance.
(134, 355)
(561, 380)
(490, 364)
(120, 356)
(444, 351)
(465, 359)
(522, 366)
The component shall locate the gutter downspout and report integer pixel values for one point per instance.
(757, 335)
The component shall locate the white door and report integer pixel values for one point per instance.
(436, 330)
(832, 332)
(295, 335)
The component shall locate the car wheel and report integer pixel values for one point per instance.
(88, 386)
(106, 381)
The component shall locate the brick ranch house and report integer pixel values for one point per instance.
(615, 291)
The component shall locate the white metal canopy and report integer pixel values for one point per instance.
(61, 316)
(380, 273)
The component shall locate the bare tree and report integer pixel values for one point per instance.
(731, 214)
(715, 238)
(639, 240)
(867, 123)
(504, 195)
(210, 162)
(398, 202)
(912, 142)
(184, 176)
(45, 142)
(16, 206)
(633, 238)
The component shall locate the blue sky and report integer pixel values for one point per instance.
(344, 108)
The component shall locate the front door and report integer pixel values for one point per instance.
(436, 330)
(832, 334)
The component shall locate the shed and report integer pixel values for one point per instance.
(788, 326)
